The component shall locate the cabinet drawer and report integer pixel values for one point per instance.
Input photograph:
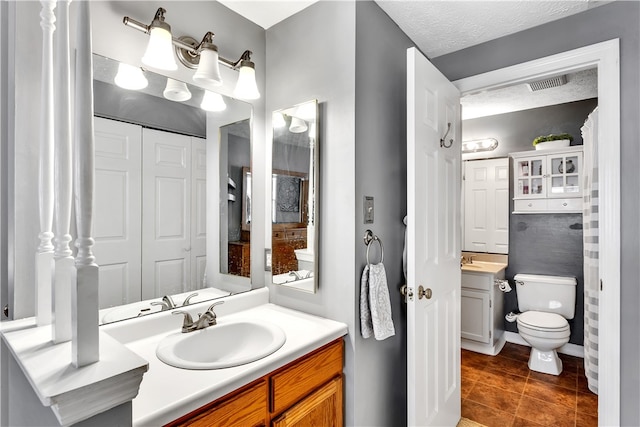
(565, 205)
(294, 382)
(530, 205)
(480, 281)
(246, 409)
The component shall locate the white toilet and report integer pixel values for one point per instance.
(545, 303)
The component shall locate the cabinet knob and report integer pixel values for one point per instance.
(564, 204)
(530, 205)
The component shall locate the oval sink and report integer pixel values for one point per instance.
(221, 346)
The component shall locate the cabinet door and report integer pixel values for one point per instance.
(475, 315)
(564, 175)
(321, 408)
(529, 177)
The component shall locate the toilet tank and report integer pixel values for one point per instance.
(552, 294)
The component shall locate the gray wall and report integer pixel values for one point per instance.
(538, 244)
(311, 56)
(381, 172)
(621, 20)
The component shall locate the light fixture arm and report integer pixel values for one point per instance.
(187, 48)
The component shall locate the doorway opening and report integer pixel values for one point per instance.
(604, 58)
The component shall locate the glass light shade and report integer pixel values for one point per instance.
(246, 87)
(176, 91)
(297, 125)
(130, 77)
(479, 145)
(208, 72)
(212, 102)
(159, 53)
(278, 120)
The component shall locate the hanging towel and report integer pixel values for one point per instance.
(375, 306)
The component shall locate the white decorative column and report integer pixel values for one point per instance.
(85, 342)
(44, 253)
(63, 273)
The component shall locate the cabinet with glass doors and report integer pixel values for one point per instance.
(548, 181)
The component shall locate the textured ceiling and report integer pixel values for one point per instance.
(579, 86)
(440, 27)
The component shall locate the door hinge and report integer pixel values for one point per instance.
(489, 303)
(600, 284)
(489, 334)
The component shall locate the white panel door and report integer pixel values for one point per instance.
(166, 213)
(198, 212)
(116, 213)
(486, 208)
(433, 246)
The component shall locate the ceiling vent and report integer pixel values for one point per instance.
(547, 83)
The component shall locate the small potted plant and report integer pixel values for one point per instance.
(559, 140)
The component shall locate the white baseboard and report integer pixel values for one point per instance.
(569, 349)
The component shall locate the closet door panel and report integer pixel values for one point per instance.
(166, 214)
(117, 209)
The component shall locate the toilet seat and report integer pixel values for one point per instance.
(543, 321)
(543, 325)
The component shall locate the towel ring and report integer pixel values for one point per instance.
(369, 238)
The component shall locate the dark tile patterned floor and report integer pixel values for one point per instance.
(501, 391)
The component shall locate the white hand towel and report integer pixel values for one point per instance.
(375, 306)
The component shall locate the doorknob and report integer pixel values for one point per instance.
(407, 293)
(422, 292)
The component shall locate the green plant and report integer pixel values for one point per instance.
(552, 137)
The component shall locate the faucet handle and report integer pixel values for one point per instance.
(187, 322)
(188, 299)
(210, 309)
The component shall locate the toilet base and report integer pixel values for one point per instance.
(546, 362)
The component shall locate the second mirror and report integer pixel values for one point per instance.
(294, 191)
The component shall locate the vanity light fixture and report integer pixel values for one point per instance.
(176, 91)
(158, 53)
(203, 56)
(130, 77)
(479, 145)
(212, 101)
(297, 125)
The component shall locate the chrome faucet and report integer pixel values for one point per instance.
(187, 300)
(299, 276)
(166, 303)
(205, 320)
(466, 260)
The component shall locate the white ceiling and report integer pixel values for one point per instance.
(438, 27)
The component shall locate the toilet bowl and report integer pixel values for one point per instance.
(545, 333)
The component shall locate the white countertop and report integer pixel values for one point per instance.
(167, 393)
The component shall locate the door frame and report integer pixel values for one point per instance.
(604, 56)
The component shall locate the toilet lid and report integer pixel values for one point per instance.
(542, 320)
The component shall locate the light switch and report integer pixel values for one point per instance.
(267, 259)
(368, 209)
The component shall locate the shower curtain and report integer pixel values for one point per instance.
(590, 243)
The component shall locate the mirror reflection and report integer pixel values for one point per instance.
(294, 190)
(160, 144)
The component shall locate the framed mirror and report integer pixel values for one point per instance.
(294, 197)
(161, 228)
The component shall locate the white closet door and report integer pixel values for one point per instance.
(117, 207)
(198, 212)
(486, 216)
(166, 213)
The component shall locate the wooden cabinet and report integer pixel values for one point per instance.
(240, 258)
(548, 181)
(321, 408)
(481, 326)
(307, 391)
(284, 242)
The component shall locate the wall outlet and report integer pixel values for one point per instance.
(267, 259)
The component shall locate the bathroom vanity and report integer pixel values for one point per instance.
(482, 323)
(300, 380)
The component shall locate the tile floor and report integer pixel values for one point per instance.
(501, 391)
